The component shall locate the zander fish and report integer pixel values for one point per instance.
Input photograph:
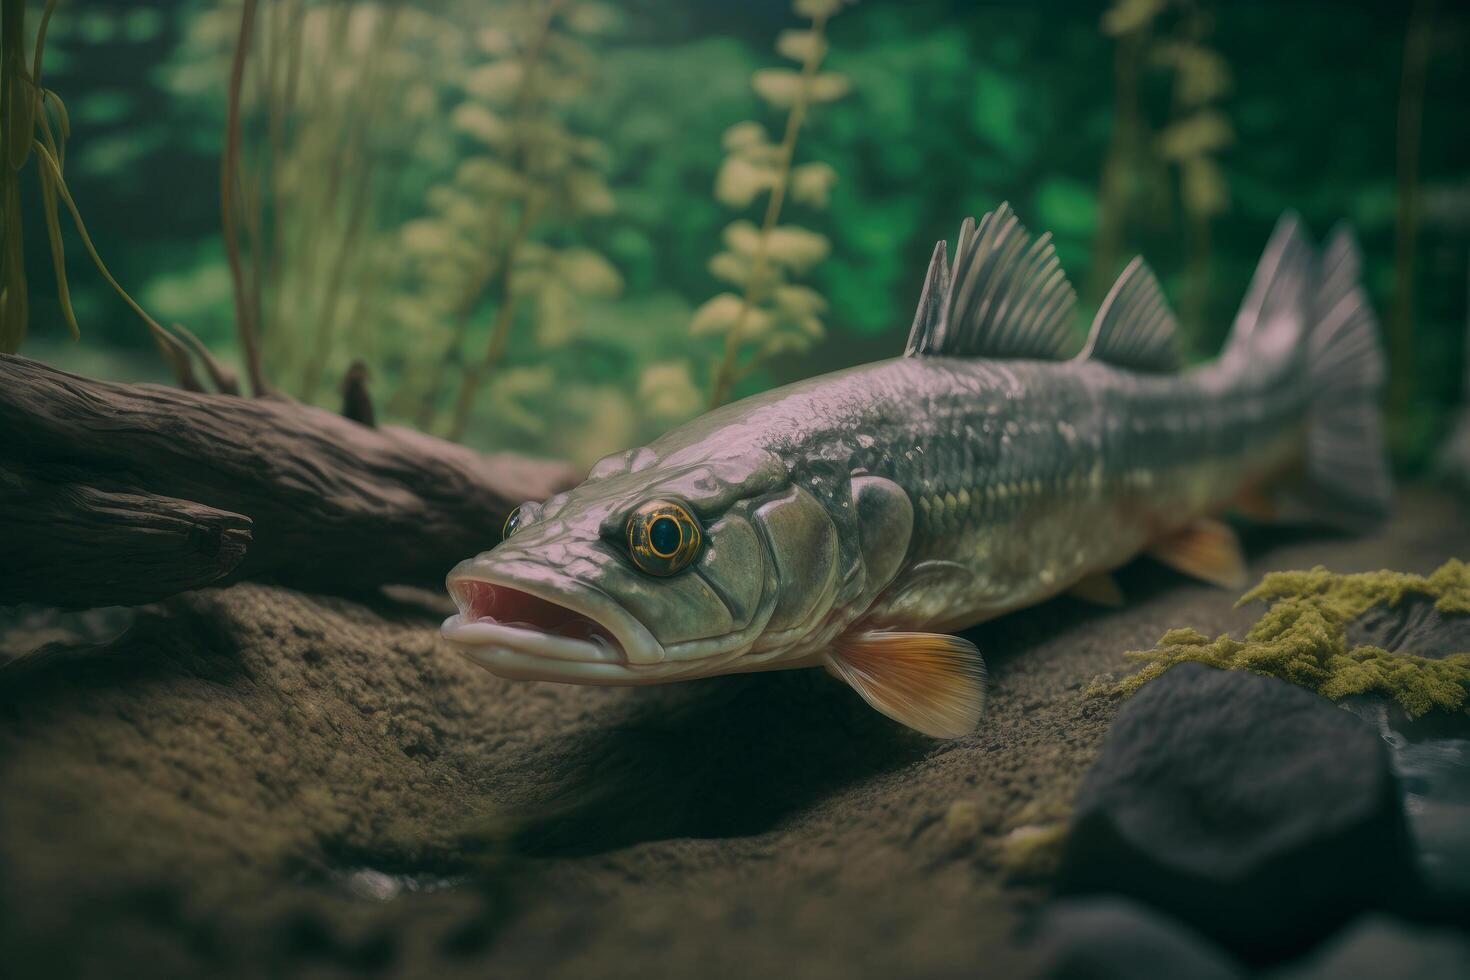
(850, 521)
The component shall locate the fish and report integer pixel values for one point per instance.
(856, 520)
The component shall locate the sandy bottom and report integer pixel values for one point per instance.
(253, 780)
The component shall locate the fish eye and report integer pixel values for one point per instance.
(512, 522)
(663, 537)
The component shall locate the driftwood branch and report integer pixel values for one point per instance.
(118, 493)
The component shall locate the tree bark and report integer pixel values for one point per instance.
(116, 494)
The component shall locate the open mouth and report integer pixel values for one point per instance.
(517, 622)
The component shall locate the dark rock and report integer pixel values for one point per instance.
(1115, 939)
(1414, 626)
(1255, 811)
(1431, 753)
(1380, 948)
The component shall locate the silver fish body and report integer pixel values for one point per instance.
(927, 492)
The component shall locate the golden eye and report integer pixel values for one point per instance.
(512, 521)
(663, 537)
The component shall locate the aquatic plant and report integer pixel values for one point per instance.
(1130, 22)
(1302, 638)
(26, 131)
(1418, 43)
(1172, 35)
(778, 315)
(529, 171)
(1195, 133)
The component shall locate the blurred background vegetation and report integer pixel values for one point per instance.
(563, 226)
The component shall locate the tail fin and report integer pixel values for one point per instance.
(1347, 467)
(1314, 316)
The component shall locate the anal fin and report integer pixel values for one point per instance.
(1207, 549)
(930, 682)
(1100, 589)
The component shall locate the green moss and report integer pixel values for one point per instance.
(1302, 638)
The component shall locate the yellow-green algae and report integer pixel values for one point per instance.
(1302, 638)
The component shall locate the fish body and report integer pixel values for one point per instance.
(851, 520)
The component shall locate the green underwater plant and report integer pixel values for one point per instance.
(394, 177)
(1172, 35)
(771, 311)
(529, 171)
(1196, 132)
(1302, 638)
(27, 132)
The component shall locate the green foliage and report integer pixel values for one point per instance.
(26, 132)
(1302, 638)
(948, 110)
(772, 314)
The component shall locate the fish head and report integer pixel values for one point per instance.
(654, 570)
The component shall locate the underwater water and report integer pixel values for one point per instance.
(540, 233)
(451, 253)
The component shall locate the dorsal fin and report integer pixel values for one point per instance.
(931, 300)
(1007, 297)
(1134, 327)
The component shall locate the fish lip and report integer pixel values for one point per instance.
(526, 641)
(639, 646)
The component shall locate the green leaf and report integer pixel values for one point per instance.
(721, 313)
(742, 237)
(488, 177)
(829, 86)
(778, 86)
(666, 390)
(743, 136)
(479, 122)
(1203, 187)
(496, 82)
(816, 8)
(1129, 16)
(796, 248)
(801, 46)
(588, 272)
(495, 41)
(594, 18)
(589, 194)
(740, 180)
(730, 267)
(799, 301)
(811, 183)
(427, 236)
(1204, 132)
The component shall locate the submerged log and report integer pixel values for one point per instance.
(125, 493)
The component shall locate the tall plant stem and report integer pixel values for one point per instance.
(229, 177)
(1406, 226)
(1116, 175)
(505, 315)
(726, 374)
(530, 207)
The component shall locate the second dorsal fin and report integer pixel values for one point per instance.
(1006, 295)
(1134, 327)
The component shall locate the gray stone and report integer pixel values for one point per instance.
(1380, 948)
(1256, 811)
(1115, 939)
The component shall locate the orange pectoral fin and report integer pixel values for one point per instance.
(1207, 550)
(932, 683)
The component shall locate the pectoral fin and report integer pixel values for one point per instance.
(1100, 589)
(1207, 550)
(927, 681)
